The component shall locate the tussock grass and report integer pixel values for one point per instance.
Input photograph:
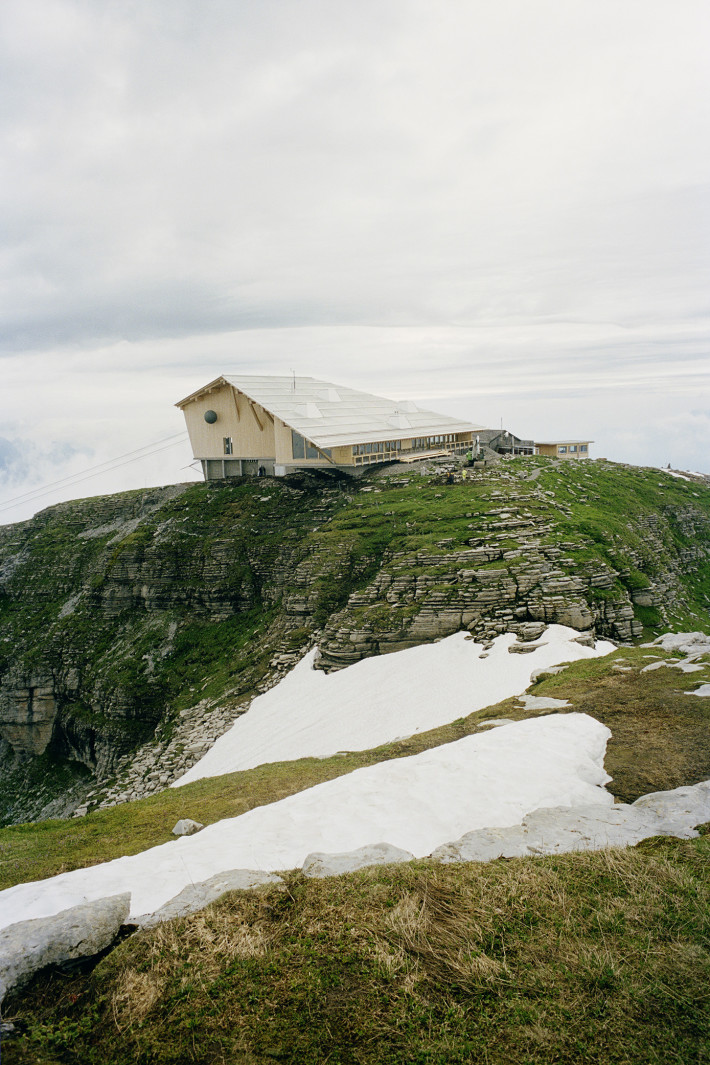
(601, 957)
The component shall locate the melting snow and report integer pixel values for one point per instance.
(489, 781)
(316, 714)
(416, 803)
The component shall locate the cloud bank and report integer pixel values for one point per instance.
(501, 210)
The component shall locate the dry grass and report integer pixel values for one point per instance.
(601, 957)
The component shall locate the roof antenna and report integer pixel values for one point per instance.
(293, 386)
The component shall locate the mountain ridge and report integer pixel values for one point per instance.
(150, 619)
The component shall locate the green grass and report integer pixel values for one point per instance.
(232, 570)
(600, 958)
(660, 740)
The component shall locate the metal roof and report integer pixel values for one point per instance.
(331, 415)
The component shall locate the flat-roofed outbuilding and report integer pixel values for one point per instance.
(564, 449)
(246, 425)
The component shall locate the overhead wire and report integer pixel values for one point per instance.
(98, 467)
(94, 471)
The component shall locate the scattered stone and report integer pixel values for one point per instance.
(197, 896)
(525, 648)
(688, 643)
(187, 827)
(79, 932)
(559, 829)
(530, 630)
(586, 639)
(546, 671)
(539, 702)
(320, 865)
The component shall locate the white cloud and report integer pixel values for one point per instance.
(504, 201)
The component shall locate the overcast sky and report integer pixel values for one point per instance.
(497, 208)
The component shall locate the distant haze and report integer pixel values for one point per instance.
(499, 210)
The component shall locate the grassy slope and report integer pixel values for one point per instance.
(599, 958)
(661, 739)
(143, 665)
(592, 957)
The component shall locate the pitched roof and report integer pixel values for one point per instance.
(330, 415)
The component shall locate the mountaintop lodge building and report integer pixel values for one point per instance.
(240, 426)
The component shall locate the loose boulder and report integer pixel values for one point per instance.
(319, 864)
(187, 827)
(79, 932)
(197, 896)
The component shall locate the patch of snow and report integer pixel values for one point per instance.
(674, 473)
(703, 691)
(416, 803)
(315, 714)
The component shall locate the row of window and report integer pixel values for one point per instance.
(301, 449)
(378, 448)
(424, 442)
(564, 449)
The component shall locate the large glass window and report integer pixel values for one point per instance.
(298, 445)
(301, 449)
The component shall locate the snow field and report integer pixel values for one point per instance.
(315, 714)
(416, 803)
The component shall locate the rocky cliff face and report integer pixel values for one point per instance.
(145, 622)
(533, 562)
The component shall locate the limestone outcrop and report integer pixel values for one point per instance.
(320, 864)
(559, 829)
(197, 896)
(79, 932)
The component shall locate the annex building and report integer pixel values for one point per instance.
(564, 449)
(241, 426)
